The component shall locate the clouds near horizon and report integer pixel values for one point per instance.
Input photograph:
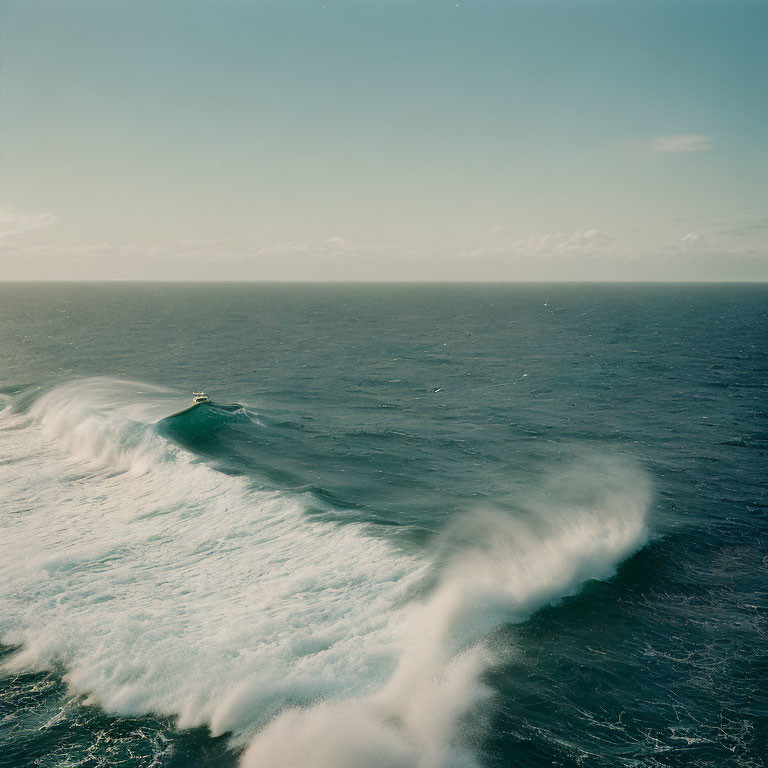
(586, 254)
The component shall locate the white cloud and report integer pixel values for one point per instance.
(334, 249)
(539, 256)
(682, 142)
(582, 242)
(336, 243)
(13, 223)
(693, 241)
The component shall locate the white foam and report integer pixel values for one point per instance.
(163, 586)
(103, 422)
(174, 588)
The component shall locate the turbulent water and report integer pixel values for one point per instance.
(416, 527)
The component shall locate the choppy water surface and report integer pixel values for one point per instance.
(433, 527)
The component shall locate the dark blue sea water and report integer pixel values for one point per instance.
(417, 526)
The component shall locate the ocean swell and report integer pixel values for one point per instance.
(160, 585)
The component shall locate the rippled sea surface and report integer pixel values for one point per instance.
(415, 526)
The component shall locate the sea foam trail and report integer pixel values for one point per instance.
(161, 585)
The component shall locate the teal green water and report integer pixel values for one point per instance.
(417, 526)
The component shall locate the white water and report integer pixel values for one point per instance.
(160, 585)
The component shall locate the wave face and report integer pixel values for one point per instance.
(161, 585)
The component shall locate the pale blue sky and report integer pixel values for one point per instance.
(383, 139)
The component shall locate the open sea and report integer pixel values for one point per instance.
(447, 526)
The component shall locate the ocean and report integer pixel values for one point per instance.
(417, 526)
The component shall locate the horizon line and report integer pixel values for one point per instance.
(235, 281)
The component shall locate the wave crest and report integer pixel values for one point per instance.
(165, 586)
(103, 423)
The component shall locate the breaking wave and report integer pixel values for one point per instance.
(158, 584)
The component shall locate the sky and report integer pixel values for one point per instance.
(383, 140)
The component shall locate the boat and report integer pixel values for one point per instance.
(212, 410)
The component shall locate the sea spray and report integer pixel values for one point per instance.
(501, 569)
(103, 423)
